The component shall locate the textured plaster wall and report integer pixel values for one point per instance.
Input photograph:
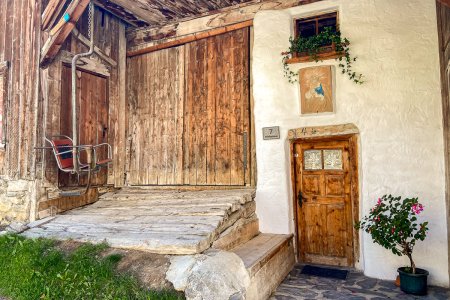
(398, 113)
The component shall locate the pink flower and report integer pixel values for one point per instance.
(379, 201)
(417, 208)
(393, 229)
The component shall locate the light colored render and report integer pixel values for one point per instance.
(398, 113)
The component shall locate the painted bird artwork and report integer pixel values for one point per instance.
(316, 89)
(319, 90)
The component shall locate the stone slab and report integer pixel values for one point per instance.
(158, 221)
(299, 286)
(268, 258)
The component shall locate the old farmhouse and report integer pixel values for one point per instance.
(183, 125)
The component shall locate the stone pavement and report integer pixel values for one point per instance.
(357, 286)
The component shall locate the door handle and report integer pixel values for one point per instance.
(300, 199)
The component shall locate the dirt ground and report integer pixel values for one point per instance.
(149, 268)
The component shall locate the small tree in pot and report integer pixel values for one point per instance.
(393, 224)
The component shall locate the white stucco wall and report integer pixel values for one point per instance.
(398, 113)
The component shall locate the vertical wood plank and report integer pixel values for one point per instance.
(217, 113)
(156, 109)
(121, 111)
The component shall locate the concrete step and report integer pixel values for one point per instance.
(268, 259)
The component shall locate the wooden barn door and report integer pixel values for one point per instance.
(189, 113)
(156, 95)
(324, 209)
(217, 110)
(93, 108)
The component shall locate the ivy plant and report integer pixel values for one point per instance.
(314, 45)
(393, 224)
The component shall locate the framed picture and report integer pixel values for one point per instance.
(316, 90)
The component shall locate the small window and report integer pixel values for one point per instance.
(308, 27)
(327, 159)
(3, 97)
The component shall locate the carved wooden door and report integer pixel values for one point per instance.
(324, 210)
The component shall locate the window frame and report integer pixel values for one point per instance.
(4, 80)
(328, 50)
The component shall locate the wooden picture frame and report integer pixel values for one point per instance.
(316, 90)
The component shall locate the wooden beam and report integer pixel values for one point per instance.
(190, 38)
(85, 41)
(86, 64)
(54, 42)
(121, 13)
(145, 37)
(51, 12)
(163, 12)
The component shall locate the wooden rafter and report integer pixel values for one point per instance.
(121, 13)
(51, 12)
(148, 37)
(54, 42)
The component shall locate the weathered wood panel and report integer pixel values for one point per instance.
(141, 38)
(156, 95)
(19, 45)
(109, 38)
(61, 204)
(217, 109)
(163, 44)
(188, 126)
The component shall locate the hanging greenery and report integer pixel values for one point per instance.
(313, 46)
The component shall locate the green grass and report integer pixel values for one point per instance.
(37, 269)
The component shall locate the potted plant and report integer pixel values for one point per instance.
(327, 44)
(393, 224)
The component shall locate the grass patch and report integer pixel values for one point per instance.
(36, 269)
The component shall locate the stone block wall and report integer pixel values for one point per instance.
(15, 200)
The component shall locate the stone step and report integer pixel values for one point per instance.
(241, 232)
(164, 221)
(268, 259)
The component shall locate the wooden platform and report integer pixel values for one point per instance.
(163, 221)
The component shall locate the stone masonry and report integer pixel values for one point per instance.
(15, 200)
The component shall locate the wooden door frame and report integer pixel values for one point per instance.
(92, 72)
(352, 140)
(52, 99)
